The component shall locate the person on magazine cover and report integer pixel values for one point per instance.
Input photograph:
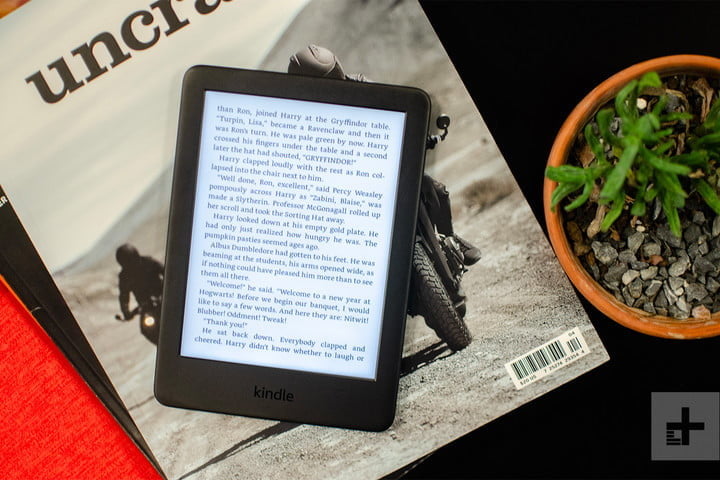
(143, 277)
(321, 62)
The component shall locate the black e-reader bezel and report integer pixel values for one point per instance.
(304, 397)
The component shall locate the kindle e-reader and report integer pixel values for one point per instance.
(290, 239)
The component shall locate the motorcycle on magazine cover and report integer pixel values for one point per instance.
(438, 266)
(439, 259)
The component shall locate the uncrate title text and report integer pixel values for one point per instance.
(139, 31)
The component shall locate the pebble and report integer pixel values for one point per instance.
(664, 234)
(653, 288)
(618, 296)
(649, 273)
(651, 250)
(682, 305)
(649, 307)
(692, 233)
(679, 267)
(629, 276)
(676, 284)
(675, 312)
(702, 266)
(698, 217)
(626, 256)
(613, 287)
(640, 301)
(628, 299)
(635, 288)
(604, 252)
(656, 260)
(673, 102)
(695, 291)
(716, 227)
(670, 296)
(638, 265)
(713, 254)
(615, 273)
(635, 240)
(712, 285)
(701, 312)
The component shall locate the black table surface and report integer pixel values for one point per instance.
(526, 65)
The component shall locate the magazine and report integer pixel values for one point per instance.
(90, 121)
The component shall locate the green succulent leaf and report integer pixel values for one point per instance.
(616, 177)
(654, 120)
(675, 116)
(614, 212)
(664, 147)
(673, 218)
(659, 106)
(645, 128)
(566, 173)
(594, 143)
(665, 165)
(711, 139)
(650, 194)
(650, 79)
(712, 121)
(604, 119)
(638, 208)
(582, 198)
(658, 136)
(625, 101)
(694, 159)
(562, 191)
(670, 183)
(708, 194)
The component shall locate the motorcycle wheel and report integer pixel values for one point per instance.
(434, 303)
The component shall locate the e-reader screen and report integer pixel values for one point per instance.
(291, 233)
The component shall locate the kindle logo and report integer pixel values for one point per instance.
(266, 393)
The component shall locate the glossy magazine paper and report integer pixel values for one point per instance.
(89, 119)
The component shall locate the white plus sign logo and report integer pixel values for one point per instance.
(685, 426)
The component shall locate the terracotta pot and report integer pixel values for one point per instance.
(603, 300)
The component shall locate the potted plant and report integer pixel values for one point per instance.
(631, 197)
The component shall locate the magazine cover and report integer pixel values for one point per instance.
(89, 122)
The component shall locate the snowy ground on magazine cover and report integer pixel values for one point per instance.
(518, 296)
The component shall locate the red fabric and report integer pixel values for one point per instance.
(52, 426)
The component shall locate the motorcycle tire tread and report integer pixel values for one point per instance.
(435, 304)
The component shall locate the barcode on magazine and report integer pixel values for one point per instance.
(547, 358)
